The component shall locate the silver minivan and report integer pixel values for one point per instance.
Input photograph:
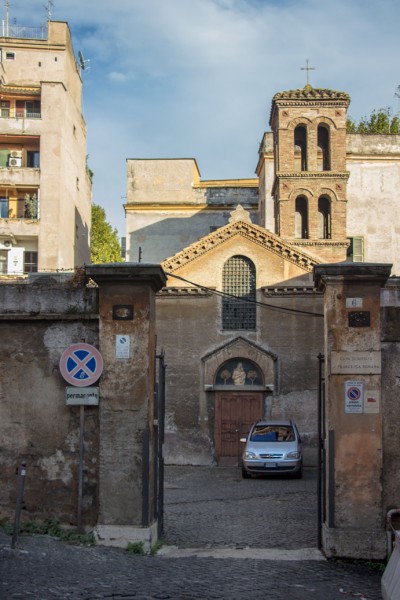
(272, 447)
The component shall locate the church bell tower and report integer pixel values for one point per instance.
(310, 177)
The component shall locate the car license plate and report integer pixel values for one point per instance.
(270, 465)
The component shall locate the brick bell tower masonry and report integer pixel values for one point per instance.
(310, 178)
(127, 343)
(353, 511)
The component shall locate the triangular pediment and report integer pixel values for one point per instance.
(253, 233)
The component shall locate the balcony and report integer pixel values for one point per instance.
(17, 176)
(20, 112)
(19, 31)
(26, 207)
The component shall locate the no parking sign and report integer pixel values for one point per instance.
(81, 365)
(353, 396)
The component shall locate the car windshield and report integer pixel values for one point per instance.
(272, 433)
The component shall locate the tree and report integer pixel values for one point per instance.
(379, 122)
(104, 246)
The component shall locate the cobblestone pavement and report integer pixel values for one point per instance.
(210, 509)
(217, 507)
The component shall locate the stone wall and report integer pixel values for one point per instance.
(38, 321)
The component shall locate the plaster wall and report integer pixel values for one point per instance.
(36, 325)
(372, 203)
(161, 234)
(168, 207)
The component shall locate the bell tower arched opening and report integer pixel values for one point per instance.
(301, 218)
(300, 148)
(324, 218)
(323, 148)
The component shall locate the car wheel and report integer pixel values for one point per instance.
(245, 474)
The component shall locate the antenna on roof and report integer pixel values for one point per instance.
(82, 62)
(7, 4)
(48, 7)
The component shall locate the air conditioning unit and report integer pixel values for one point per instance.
(5, 245)
(16, 153)
(15, 162)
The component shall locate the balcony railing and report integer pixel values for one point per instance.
(18, 31)
(13, 113)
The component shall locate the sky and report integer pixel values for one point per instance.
(195, 78)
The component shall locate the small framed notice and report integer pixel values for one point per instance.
(122, 346)
(354, 397)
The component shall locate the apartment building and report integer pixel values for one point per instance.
(45, 192)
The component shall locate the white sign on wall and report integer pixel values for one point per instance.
(353, 397)
(88, 396)
(354, 302)
(122, 346)
(371, 401)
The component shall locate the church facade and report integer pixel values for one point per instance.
(240, 320)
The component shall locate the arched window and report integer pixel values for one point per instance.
(300, 148)
(239, 282)
(324, 218)
(323, 154)
(301, 218)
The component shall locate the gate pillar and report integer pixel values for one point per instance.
(126, 409)
(353, 515)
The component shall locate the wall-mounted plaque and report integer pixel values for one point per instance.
(122, 312)
(360, 318)
(368, 363)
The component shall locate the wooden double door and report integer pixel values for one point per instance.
(234, 414)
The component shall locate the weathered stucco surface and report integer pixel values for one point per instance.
(37, 323)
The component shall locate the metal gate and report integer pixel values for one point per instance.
(321, 448)
(159, 428)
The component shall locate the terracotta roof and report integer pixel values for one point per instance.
(310, 93)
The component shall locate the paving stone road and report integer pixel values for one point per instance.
(209, 513)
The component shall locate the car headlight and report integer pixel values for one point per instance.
(293, 455)
(248, 455)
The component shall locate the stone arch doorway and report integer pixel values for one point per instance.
(237, 377)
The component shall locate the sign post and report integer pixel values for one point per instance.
(81, 365)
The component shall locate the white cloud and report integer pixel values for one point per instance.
(118, 77)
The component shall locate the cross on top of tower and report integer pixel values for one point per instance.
(308, 69)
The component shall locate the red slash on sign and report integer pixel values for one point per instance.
(81, 364)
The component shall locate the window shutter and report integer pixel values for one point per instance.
(358, 249)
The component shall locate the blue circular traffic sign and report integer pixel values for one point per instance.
(354, 393)
(81, 364)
